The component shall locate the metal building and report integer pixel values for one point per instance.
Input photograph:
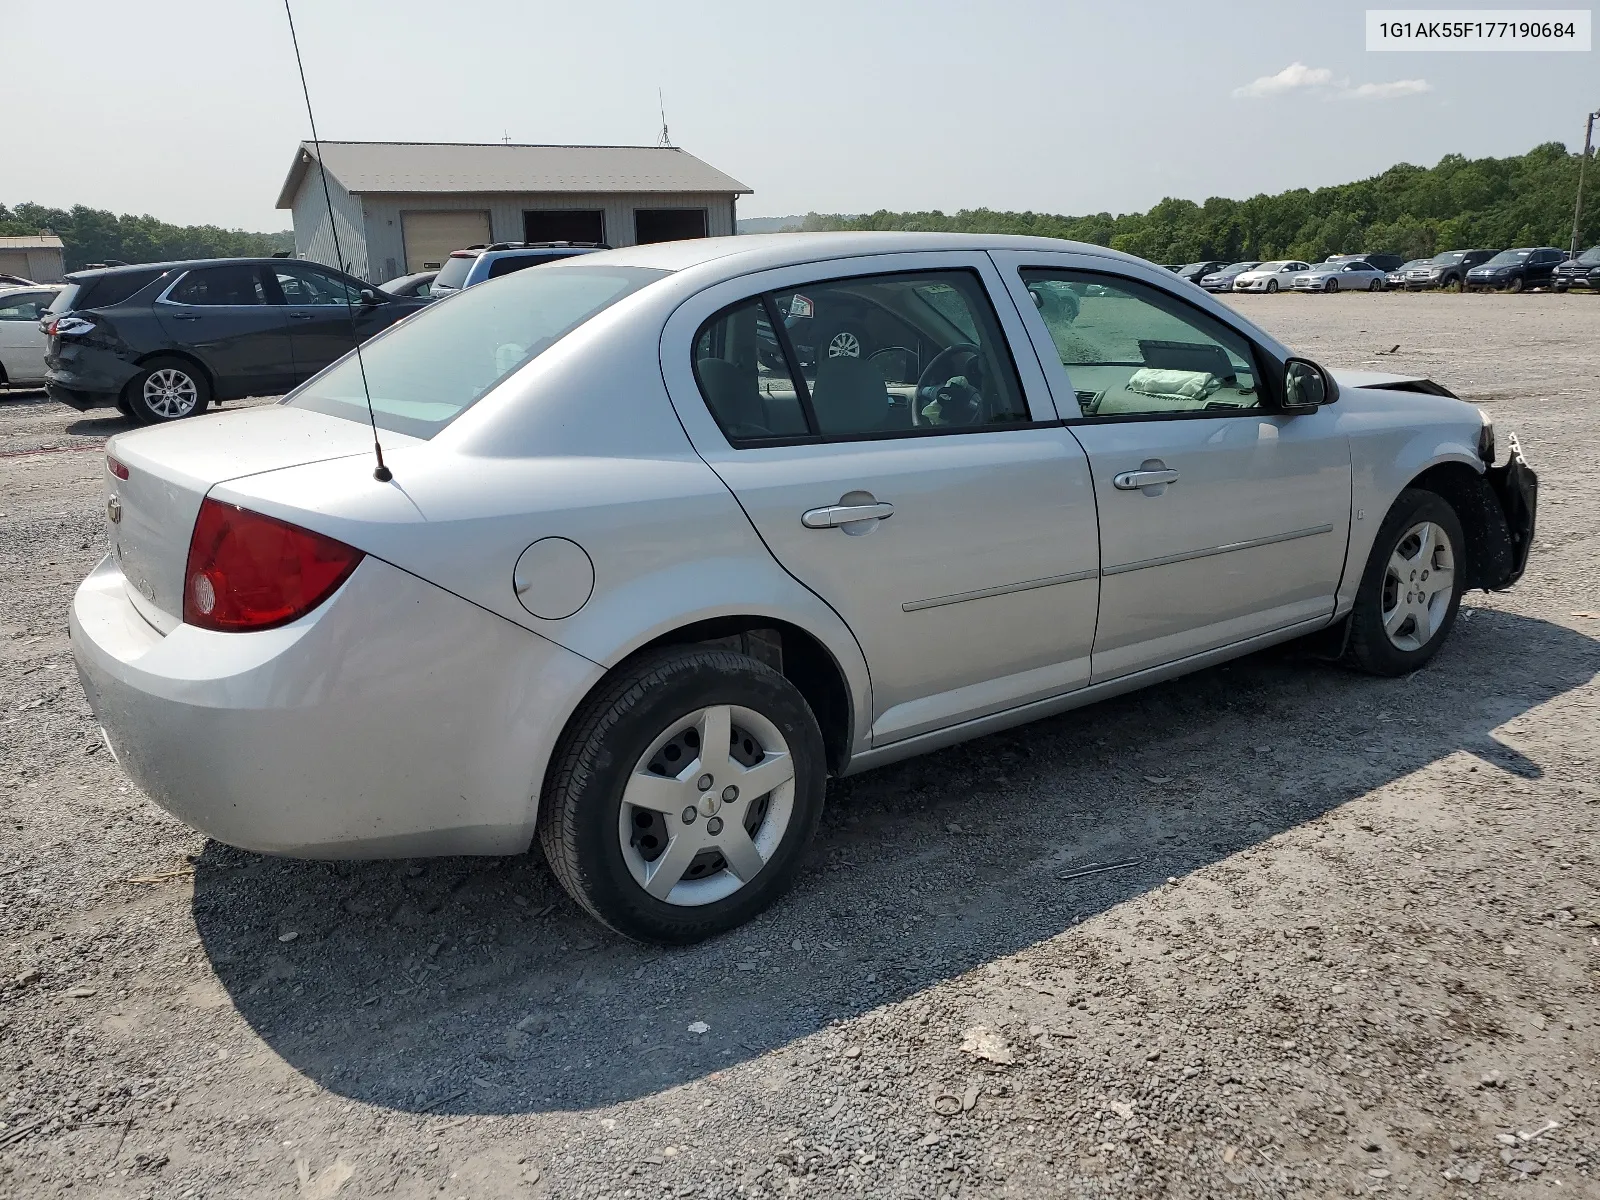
(403, 206)
(39, 257)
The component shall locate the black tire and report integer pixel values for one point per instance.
(581, 806)
(1272, 285)
(1516, 285)
(123, 406)
(1331, 286)
(1377, 285)
(1370, 646)
(1451, 284)
(188, 380)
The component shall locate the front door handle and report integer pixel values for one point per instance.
(302, 316)
(185, 316)
(835, 515)
(1133, 481)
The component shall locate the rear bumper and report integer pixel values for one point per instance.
(395, 720)
(84, 376)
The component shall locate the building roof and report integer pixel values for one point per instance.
(495, 167)
(42, 241)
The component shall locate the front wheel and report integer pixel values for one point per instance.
(1272, 285)
(1516, 285)
(1412, 586)
(1332, 286)
(168, 389)
(682, 798)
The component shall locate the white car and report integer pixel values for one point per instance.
(1270, 276)
(1351, 275)
(22, 341)
(633, 587)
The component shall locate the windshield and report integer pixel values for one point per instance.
(454, 272)
(1590, 257)
(1507, 257)
(1450, 258)
(1239, 266)
(430, 368)
(1192, 267)
(1273, 266)
(1415, 262)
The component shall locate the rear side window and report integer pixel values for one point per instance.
(518, 262)
(231, 285)
(454, 272)
(103, 291)
(873, 356)
(428, 369)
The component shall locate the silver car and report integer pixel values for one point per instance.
(1356, 276)
(1269, 276)
(633, 586)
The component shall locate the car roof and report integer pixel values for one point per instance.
(176, 265)
(760, 251)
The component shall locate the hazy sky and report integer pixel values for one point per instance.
(191, 109)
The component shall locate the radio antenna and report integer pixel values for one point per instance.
(381, 473)
(661, 99)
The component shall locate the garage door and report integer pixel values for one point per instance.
(430, 236)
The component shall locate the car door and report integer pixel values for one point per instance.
(22, 342)
(221, 315)
(1221, 517)
(327, 315)
(925, 491)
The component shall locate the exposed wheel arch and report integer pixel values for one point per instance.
(1488, 539)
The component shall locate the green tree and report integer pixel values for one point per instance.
(92, 235)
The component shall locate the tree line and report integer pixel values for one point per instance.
(1416, 212)
(96, 235)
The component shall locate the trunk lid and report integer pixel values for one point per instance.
(151, 514)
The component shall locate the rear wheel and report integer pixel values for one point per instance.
(168, 389)
(683, 796)
(1412, 587)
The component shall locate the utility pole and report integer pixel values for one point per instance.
(1577, 208)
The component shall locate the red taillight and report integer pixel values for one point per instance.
(116, 468)
(249, 571)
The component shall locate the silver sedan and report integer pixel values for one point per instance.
(639, 575)
(1341, 277)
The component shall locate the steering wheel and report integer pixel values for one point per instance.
(946, 385)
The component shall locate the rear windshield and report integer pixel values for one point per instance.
(430, 368)
(454, 272)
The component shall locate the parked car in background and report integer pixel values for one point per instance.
(1384, 262)
(476, 264)
(22, 341)
(1221, 280)
(417, 285)
(1397, 277)
(15, 281)
(1448, 270)
(1346, 275)
(1269, 276)
(635, 598)
(1517, 270)
(1580, 273)
(165, 340)
(1195, 271)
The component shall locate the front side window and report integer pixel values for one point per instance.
(1133, 350)
(428, 369)
(307, 286)
(239, 284)
(879, 355)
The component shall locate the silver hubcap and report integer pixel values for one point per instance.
(844, 345)
(170, 393)
(1418, 585)
(707, 805)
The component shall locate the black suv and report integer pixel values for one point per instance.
(1580, 272)
(1514, 270)
(163, 341)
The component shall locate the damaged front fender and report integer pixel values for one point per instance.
(1515, 489)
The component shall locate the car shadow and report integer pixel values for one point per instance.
(474, 986)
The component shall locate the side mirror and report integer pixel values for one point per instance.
(369, 297)
(1306, 386)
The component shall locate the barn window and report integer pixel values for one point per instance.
(668, 224)
(564, 225)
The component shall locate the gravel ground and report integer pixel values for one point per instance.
(1273, 929)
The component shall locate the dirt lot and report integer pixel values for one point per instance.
(1351, 942)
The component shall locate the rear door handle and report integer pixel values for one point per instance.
(185, 316)
(835, 515)
(1132, 481)
(302, 316)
